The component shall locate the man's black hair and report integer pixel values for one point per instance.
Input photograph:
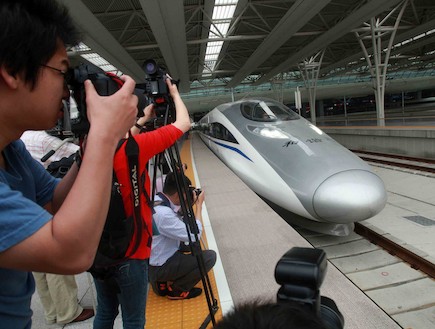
(29, 34)
(170, 184)
(269, 315)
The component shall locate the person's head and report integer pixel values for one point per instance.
(170, 188)
(269, 315)
(30, 33)
(34, 35)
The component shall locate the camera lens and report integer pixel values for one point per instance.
(150, 66)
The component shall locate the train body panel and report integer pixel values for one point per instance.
(290, 162)
(248, 164)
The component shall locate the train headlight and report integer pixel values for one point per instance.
(269, 132)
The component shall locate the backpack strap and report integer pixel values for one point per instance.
(132, 153)
(165, 201)
(151, 205)
(144, 191)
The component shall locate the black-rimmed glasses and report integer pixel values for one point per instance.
(58, 70)
(64, 73)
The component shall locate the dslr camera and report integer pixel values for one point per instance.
(301, 272)
(153, 90)
(105, 84)
(196, 190)
(155, 84)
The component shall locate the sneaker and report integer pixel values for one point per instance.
(176, 294)
(162, 288)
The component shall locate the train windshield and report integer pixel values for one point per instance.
(267, 111)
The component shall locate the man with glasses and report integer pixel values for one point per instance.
(46, 224)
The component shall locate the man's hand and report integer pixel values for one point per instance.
(148, 114)
(115, 114)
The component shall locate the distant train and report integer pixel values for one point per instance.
(306, 176)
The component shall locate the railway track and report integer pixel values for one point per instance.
(398, 161)
(412, 258)
(401, 287)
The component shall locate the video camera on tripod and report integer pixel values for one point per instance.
(153, 90)
(301, 272)
(157, 93)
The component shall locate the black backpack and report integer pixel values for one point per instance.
(116, 236)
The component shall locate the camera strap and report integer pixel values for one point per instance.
(132, 153)
(165, 201)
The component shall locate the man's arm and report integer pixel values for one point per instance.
(182, 120)
(198, 204)
(149, 113)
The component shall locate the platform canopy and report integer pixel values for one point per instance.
(240, 46)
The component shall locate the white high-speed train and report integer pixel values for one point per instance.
(306, 176)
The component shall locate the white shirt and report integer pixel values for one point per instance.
(39, 143)
(172, 230)
(159, 183)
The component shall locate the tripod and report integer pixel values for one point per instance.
(173, 161)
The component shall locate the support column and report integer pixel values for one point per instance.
(321, 108)
(278, 90)
(378, 62)
(345, 109)
(309, 69)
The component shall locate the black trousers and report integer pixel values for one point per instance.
(181, 269)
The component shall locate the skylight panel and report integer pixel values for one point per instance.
(214, 47)
(81, 47)
(96, 59)
(223, 12)
(414, 38)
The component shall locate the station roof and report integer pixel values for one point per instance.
(262, 43)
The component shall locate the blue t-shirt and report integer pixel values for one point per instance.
(25, 186)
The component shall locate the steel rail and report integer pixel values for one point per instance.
(415, 261)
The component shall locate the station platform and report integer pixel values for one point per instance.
(249, 238)
(409, 133)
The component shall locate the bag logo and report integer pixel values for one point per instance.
(135, 186)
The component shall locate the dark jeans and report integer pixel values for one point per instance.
(182, 270)
(128, 287)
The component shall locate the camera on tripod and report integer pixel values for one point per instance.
(155, 84)
(301, 272)
(157, 93)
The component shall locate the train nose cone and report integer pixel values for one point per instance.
(350, 196)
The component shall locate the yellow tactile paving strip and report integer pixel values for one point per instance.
(162, 313)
